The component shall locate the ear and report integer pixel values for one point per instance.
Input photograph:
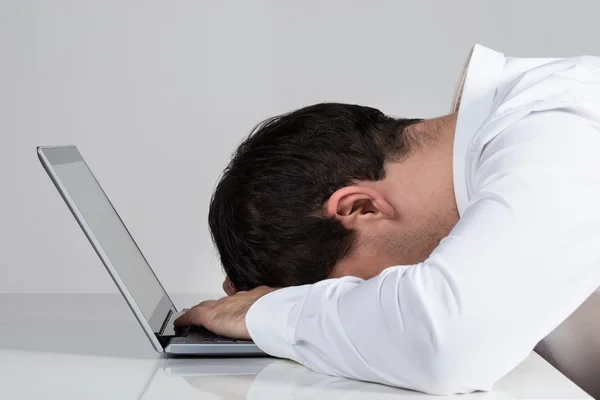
(353, 204)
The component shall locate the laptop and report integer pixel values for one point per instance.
(126, 264)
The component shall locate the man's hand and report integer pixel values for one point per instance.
(226, 316)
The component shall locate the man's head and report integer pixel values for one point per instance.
(332, 190)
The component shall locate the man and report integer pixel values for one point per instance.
(431, 255)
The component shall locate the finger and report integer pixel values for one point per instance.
(228, 287)
(195, 315)
(187, 319)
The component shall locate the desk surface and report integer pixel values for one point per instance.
(85, 346)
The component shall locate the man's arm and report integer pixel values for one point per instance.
(524, 255)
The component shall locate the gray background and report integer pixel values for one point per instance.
(157, 94)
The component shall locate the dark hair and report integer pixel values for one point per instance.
(267, 216)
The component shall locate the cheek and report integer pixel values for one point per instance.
(415, 242)
(433, 231)
(371, 270)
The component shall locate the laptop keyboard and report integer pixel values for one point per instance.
(207, 336)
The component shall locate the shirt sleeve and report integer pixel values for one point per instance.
(524, 255)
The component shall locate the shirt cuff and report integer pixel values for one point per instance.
(268, 320)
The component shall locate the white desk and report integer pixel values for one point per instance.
(91, 347)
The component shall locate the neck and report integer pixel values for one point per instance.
(434, 132)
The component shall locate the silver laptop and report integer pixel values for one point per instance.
(125, 262)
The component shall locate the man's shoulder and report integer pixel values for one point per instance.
(537, 85)
(540, 83)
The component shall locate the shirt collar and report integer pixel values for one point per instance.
(474, 102)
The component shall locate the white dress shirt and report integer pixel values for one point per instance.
(523, 256)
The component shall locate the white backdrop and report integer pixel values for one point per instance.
(157, 94)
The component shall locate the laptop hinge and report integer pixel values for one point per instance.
(165, 322)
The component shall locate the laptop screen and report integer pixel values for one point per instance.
(109, 235)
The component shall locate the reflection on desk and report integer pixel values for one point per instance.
(27, 374)
(283, 379)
